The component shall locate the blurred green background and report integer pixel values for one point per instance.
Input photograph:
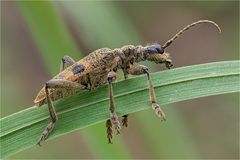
(36, 35)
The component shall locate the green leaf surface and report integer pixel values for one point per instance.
(49, 32)
(22, 129)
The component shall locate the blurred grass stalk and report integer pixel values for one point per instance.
(49, 32)
(43, 19)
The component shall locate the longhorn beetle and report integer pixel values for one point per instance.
(100, 67)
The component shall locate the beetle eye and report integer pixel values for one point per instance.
(160, 49)
(153, 49)
(78, 69)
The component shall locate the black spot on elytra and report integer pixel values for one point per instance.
(78, 69)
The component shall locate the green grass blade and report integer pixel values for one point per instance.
(21, 130)
(49, 32)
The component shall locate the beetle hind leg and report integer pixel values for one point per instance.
(53, 116)
(55, 84)
(125, 117)
(109, 131)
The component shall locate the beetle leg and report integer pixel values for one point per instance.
(125, 120)
(125, 73)
(141, 69)
(113, 116)
(55, 84)
(125, 117)
(109, 130)
(68, 60)
(53, 116)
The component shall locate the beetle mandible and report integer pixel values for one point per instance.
(100, 67)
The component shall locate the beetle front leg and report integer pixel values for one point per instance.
(113, 116)
(66, 60)
(55, 84)
(141, 69)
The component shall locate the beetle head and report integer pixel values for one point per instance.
(160, 57)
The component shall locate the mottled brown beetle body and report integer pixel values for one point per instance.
(99, 68)
(97, 65)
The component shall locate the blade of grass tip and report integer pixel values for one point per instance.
(19, 131)
(49, 32)
(120, 27)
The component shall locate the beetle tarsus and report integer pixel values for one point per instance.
(125, 120)
(115, 122)
(109, 131)
(159, 112)
(46, 132)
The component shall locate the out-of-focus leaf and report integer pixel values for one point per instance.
(49, 32)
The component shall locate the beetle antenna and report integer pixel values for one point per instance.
(187, 28)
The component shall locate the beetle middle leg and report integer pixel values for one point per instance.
(125, 117)
(113, 116)
(66, 60)
(55, 84)
(137, 69)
